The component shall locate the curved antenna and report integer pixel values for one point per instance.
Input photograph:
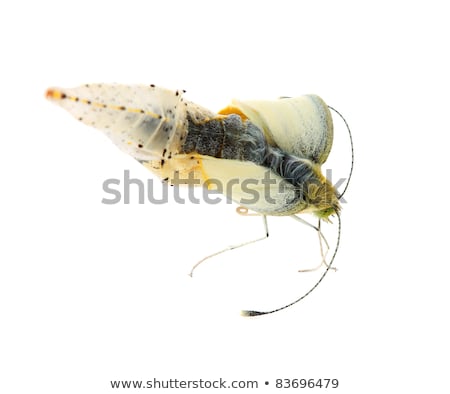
(257, 313)
(351, 145)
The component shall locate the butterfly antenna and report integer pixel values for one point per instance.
(257, 313)
(351, 146)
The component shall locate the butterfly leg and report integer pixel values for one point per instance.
(322, 240)
(241, 211)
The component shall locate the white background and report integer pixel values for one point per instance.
(91, 293)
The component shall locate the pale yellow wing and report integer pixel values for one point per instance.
(250, 185)
(301, 126)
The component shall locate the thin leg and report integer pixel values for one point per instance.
(266, 234)
(321, 239)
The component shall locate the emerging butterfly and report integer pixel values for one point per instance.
(277, 147)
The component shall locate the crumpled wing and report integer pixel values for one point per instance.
(301, 126)
(250, 185)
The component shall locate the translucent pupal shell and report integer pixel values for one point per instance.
(141, 120)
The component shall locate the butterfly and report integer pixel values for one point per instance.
(266, 155)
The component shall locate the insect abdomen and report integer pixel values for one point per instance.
(226, 137)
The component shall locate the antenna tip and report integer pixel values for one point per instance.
(252, 313)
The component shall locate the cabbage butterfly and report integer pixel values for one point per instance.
(277, 147)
